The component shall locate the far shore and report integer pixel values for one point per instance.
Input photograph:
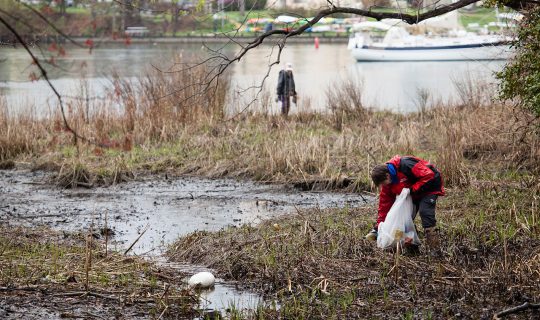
(211, 38)
(199, 38)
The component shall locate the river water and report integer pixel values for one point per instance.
(384, 85)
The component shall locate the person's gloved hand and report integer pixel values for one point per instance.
(372, 235)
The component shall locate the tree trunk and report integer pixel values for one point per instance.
(132, 14)
(176, 16)
(242, 5)
(62, 6)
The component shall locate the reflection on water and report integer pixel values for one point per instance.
(385, 85)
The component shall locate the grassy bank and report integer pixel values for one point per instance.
(317, 265)
(48, 274)
(161, 129)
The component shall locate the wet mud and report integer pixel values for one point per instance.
(161, 208)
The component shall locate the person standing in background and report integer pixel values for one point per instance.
(286, 90)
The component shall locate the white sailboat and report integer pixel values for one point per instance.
(400, 45)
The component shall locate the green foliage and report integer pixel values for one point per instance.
(520, 80)
(200, 5)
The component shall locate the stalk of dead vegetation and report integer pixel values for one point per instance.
(106, 231)
(136, 240)
(89, 245)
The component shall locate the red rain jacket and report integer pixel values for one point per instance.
(414, 173)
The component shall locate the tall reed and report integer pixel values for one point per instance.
(18, 131)
(160, 122)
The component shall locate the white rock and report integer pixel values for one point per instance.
(202, 280)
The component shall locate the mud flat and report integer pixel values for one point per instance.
(165, 208)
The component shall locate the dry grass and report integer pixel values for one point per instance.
(75, 173)
(318, 266)
(61, 272)
(18, 133)
(160, 123)
(345, 102)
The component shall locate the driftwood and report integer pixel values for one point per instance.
(525, 306)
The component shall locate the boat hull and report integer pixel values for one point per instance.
(458, 53)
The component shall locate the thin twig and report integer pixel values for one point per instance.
(136, 240)
(525, 306)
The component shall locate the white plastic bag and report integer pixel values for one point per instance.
(399, 225)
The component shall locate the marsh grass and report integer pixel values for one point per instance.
(73, 175)
(18, 132)
(317, 265)
(160, 123)
(344, 99)
(52, 270)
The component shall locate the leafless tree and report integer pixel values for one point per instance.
(218, 62)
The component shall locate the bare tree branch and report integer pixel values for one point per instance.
(44, 74)
(42, 17)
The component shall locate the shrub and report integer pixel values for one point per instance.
(520, 79)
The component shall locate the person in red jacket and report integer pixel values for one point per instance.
(425, 183)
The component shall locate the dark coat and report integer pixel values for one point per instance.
(286, 83)
(414, 173)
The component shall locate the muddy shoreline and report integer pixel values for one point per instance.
(163, 208)
(167, 207)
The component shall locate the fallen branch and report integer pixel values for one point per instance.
(3, 289)
(525, 306)
(74, 293)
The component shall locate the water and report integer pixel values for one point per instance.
(164, 209)
(385, 85)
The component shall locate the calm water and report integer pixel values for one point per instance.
(384, 85)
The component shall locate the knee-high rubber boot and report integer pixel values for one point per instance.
(432, 238)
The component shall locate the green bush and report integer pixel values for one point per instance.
(520, 79)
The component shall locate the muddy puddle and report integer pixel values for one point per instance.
(164, 209)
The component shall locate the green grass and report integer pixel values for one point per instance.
(482, 16)
(237, 17)
(78, 10)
